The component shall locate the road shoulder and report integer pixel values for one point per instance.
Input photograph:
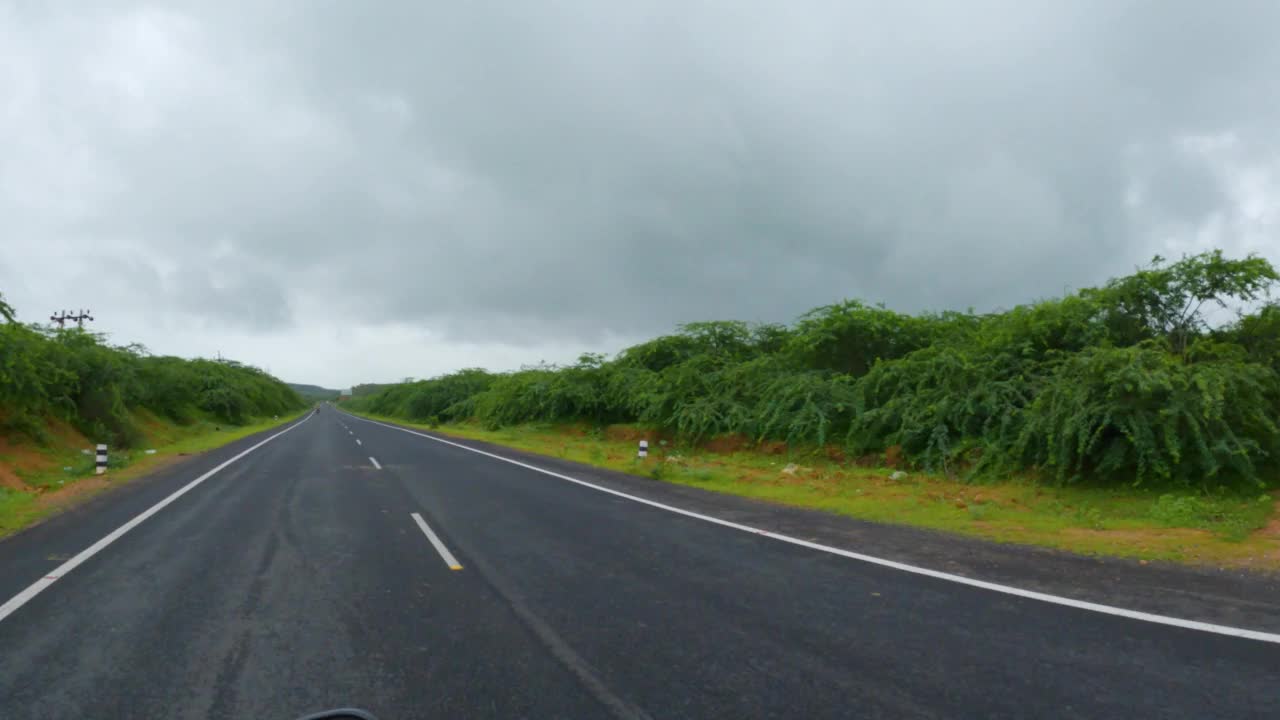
(28, 554)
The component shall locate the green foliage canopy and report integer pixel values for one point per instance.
(1129, 382)
(78, 376)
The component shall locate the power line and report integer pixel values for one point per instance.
(66, 316)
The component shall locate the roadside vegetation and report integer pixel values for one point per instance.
(76, 376)
(1157, 391)
(314, 393)
(63, 391)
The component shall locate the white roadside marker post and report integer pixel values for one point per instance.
(102, 460)
(644, 449)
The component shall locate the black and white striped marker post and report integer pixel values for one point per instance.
(102, 460)
(644, 449)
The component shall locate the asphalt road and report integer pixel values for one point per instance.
(298, 578)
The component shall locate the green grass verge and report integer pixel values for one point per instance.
(1148, 524)
(61, 482)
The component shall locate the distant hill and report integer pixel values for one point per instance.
(370, 388)
(313, 392)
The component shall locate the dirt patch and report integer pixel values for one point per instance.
(868, 461)
(773, 447)
(893, 457)
(1272, 528)
(70, 495)
(1268, 555)
(10, 480)
(632, 433)
(727, 444)
(752, 478)
(80, 490)
(20, 457)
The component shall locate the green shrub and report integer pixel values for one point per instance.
(849, 337)
(941, 401)
(1127, 383)
(546, 393)
(1140, 414)
(1257, 335)
(805, 407)
(76, 375)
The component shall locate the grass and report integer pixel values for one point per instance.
(58, 475)
(1147, 524)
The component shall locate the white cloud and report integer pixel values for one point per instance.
(343, 193)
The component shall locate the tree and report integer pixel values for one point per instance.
(849, 337)
(6, 310)
(1165, 300)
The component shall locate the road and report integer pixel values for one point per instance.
(298, 577)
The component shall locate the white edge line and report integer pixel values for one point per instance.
(994, 587)
(447, 556)
(17, 601)
(374, 460)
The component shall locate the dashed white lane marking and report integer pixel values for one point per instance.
(374, 460)
(448, 557)
(358, 442)
(61, 571)
(915, 569)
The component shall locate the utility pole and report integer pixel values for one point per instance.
(65, 315)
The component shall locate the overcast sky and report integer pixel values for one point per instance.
(363, 191)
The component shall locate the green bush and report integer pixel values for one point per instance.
(1257, 335)
(546, 393)
(1127, 383)
(941, 401)
(31, 383)
(804, 407)
(1140, 413)
(849, 337)
(425, 399)
(76, 375)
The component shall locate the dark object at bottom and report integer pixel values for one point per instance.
(341, 714)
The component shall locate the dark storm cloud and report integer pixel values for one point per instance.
(629, 168)
(567, 171)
